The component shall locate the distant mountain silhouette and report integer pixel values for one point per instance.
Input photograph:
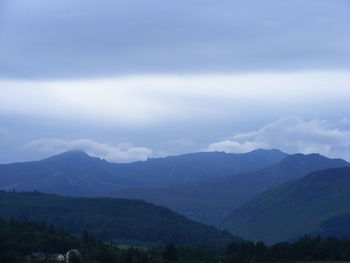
(194, 167)
(77, 174)
(110, 219)
(318, 203)
(70, 173)
(211, 201)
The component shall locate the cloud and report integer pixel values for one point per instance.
(152, 99)
(231, 146)
(121, 153)
(60, 39)
(345, 121)
(4, 132)
(180, 142)
(291, 135)
(176, 147)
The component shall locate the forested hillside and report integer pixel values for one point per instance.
(20, 239)
(317, 204)
(110, 219)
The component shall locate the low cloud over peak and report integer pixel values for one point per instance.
(291, 135)
(174, 76)
(121, 153)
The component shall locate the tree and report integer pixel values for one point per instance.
(171, 253)
(260, 250)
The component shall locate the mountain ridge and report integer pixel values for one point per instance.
(211, 201)
(76, 173)
(302, 206)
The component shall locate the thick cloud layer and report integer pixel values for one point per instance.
(3, 132)
(156, 99)
(65, 39)
(291, 135)
(169, 114)
(172, 76)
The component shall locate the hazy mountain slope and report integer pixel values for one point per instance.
(337, 226)
(75, 173)
(194, 167)
(306, 205)
(110, 218)
(70, 173)
(209, 202)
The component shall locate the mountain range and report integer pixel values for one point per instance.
(210, 201)
(228, 191)
(75, 173)
(317, 204)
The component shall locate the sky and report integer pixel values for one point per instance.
(132, 80)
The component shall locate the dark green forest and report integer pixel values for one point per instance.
(305, 249)
(18, 239)
(111, 219)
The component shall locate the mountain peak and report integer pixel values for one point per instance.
(315, 157)
(70, 155)
(75, 153)
(263, 152)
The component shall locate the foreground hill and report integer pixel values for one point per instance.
(209, 202)
(75, 173)
(110, 218)
(318, 203)
(337, 226)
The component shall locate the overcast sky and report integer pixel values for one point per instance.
(130, 80)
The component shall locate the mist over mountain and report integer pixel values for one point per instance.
(70, 173)
(212, 200)
(77, 174)
(175, 131)
(317, 204)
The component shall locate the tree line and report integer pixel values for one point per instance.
(18, 239)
